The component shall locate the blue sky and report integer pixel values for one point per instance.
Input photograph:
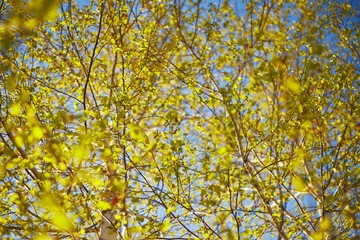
(82, 2)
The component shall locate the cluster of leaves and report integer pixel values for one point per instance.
(19, 18)
(180, 120)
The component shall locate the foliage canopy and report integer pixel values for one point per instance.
(135, 119)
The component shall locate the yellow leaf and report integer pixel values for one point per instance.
(166, 226)
(318, 236)
(222, 150)
(103, 205)
(42, 237)
(325, 224)
(292, 85)
(60, 220)
(107, 152)
(299, 184)
(37, 132)
(136, 133)
(43, 8)
(19, 141)
(15, 109)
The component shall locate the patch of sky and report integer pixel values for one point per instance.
(83, 3)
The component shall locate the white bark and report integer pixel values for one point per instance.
(107, 230)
